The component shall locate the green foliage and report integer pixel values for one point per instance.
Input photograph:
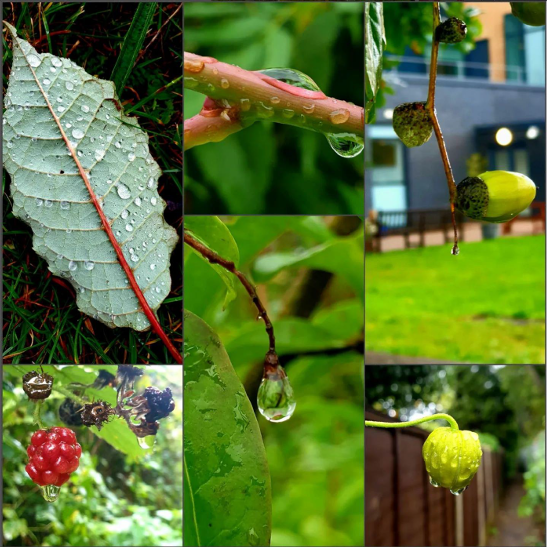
(125, 496)
(273, 168)
(316, 306)
(534, 482)
(489, 440)
(488, 313)
(375, 40)
(226, 478)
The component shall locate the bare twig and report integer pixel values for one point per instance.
(436, 125)
(242, 97)
(214, 258)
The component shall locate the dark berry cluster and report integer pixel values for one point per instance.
(160, 403)
(54, 454)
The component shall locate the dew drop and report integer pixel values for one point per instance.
(123, 191)
(308, 109)
(346, 145)
(275, 396)
(433, 482)
(138, 202)
(65, 205)
(55, 61)
(458, 492)
(72, 266)
(224, 83)
(39, 202)
(60, 109)
(150, 182)
(128, 227)
(117, 144)
(193, 65)
(245, 104)
(455, 250)
(50, 493)
(153, 201)
(152, 266)
(131, 156)
(77, 133)
(158, 290)
(69, 86)
(134, 258)
(33, 60)
(125, 214)
(339, 116)
(52, 69)
(275, 100)
(84, 108)
(99, 154)
(46, 81)
(287, 113)
(48, 203)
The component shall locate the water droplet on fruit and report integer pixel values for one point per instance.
(88, 265)
(123, 191)
(458, 492)
(72, 266)
(434, 482)
(50, 493)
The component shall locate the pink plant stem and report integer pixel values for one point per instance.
(244, 97)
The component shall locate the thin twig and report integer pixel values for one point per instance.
(435, 122)
(214, 258)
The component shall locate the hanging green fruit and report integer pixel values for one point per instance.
(494, 196)
(530, 13)
(452, 457)
(451, 31)
(412, 123)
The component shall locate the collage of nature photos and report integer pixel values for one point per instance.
(326, 215)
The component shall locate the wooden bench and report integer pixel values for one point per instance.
(414, 221)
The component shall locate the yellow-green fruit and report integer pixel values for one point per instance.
(412, 123)
(494, 196)
(530, 13)
(452, 457)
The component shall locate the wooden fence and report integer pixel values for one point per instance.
(403, 508)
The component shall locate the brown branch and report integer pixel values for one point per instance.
(250, 96)
(437, 126)
(215, 258)
(202, 130)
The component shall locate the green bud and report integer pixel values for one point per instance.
(412, 123)
(494, 196)
(530, 13)
(452, 457)
(451, 31)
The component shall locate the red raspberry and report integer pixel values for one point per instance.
(53, 456)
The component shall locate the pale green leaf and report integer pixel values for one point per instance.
(47, 93)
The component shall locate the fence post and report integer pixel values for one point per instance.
(459, 521)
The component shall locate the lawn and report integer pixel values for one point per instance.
(486, 305)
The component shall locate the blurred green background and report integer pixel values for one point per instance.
(114, 498)
(489, 310)
(273, 168)
(309, 275)
(505, 405)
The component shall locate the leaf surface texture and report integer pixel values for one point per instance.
(49, 192)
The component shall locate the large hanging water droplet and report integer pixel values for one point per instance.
(50, 493)
(455, 250)
(123, 191)
(88, 265)
(275, 396)
(434, 482)
(458, 492)
(346, 145)
(72, 266)
(146, 442)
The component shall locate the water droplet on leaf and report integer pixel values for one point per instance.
(48, 203)
(123, 191)
(88, 265)
(128, 227)
(77, 133)
(64, 205)
(33, 60)
(56, 62)
(39, 202)
(72, 266)
(153, 201)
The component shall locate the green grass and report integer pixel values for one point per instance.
(486, 305)
(41, 321)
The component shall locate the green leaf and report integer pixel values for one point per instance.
(132, 44)
(374, 49)
(343, 256)
(212, 232)
(47, 93)
(227, 482)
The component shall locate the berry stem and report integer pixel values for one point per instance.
(435, 121)
(69, 394)
(36, 416)
(447, 417)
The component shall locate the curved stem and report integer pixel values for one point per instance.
(447, 417)
(435, 122)
(214, 258)
(69, 394)
(243, 97)
(36, 415)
